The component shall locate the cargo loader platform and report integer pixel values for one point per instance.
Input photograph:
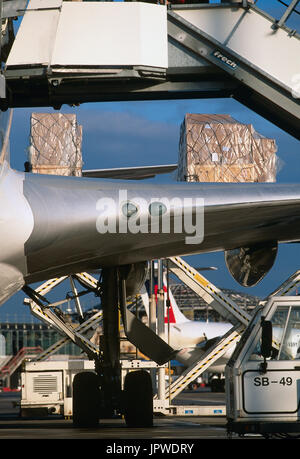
(179, 51)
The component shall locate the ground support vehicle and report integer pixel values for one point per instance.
(263, 374)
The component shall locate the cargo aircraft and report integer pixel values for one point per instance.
(54, 226)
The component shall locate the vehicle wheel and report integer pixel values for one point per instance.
(138, 399)
(86, 395)
(34, 412)
(214, 385)
(218, 385)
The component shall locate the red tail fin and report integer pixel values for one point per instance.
(171, 319)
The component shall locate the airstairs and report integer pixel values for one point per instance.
(180, 51)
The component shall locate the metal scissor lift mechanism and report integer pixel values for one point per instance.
(209, 358)
(51, 314)
(87, 398)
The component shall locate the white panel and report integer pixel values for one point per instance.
(249, 34)
(272, 392)
(44, 4)
(274, 52)
(92, 34)
(45, 387)
(111, 34)
(154, 34)
(35, 39)
(218, 23)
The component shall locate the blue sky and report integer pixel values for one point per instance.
(121, 134)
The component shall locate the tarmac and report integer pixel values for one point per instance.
(178, 433)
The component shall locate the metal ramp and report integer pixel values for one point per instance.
(197, 51)
(213, 296)
(191, 373)
(263, 64)
(287, 286)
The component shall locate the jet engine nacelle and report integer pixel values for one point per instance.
(248, 265)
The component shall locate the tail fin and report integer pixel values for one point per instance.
(175, 315)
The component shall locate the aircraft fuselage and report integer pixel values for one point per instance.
(53, 225)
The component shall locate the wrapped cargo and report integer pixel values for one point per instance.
(55, 144)
(217, 148)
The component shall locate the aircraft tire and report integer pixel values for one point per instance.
(86, 395)
(138, 399)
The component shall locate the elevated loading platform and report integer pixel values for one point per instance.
(118, 51)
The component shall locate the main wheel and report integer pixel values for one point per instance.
(138, 399)
(86, 397)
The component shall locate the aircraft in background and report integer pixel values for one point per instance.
(191, 337)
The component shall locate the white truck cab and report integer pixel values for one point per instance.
(263, 375)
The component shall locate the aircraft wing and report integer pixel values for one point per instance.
(246, 220)
(130, 173)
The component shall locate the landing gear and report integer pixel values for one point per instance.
(86, 399)
(99, 394)
(138, 399)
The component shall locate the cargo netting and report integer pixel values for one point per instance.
(217, 148)
(55, 144)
